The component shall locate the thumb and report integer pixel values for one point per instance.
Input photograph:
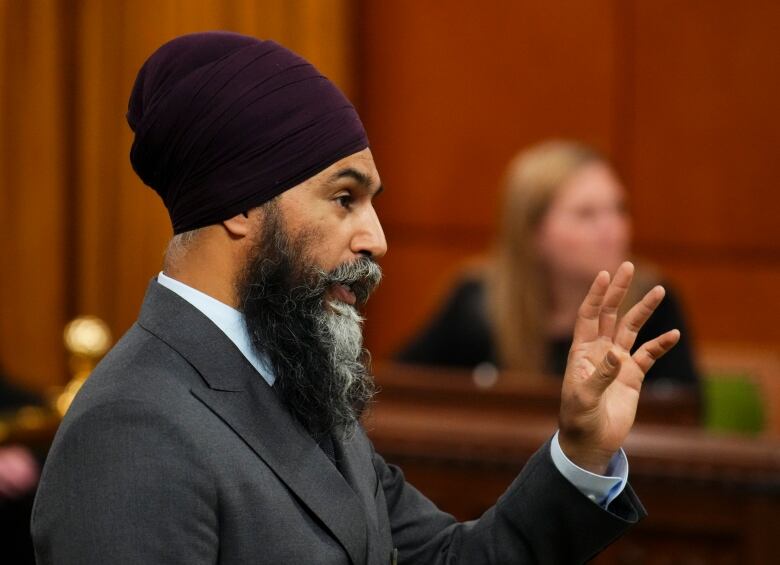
(605, 373)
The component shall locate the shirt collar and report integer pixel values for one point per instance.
(227, 319)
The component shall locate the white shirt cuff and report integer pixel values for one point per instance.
(599, 488)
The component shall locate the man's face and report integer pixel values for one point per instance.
(334, 210)
(310, 265)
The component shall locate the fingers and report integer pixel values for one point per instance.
(597, 315)
(605, 373)
(632, 322)
(614, 297)
(654, 349)
(586, 327)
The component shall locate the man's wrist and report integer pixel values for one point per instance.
(601, 489)
(584, 456)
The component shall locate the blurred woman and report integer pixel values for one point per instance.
(564, 219)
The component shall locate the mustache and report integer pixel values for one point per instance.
(362, 276)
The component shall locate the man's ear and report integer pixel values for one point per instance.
(240, 225)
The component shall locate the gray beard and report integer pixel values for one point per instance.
(344, 327)
(315, 349)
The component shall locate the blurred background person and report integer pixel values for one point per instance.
(19, 472)
(563, 220)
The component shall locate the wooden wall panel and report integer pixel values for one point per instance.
(704, 133)
(682, 95)
(34, 199)
(449, 92)
(729, 302)
(706, 127)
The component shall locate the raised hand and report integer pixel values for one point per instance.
(603, 380)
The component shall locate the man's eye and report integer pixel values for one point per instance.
(345, 200)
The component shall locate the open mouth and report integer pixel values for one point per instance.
(342, 293)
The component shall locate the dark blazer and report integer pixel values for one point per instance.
(177, 451)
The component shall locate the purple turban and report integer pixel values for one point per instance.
(224, 122)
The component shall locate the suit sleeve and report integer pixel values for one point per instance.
(541, 518)
(122, 486)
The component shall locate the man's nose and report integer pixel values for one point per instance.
(370, 237)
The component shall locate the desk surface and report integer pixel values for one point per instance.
(711, 498)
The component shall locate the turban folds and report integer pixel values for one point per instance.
(224, 122)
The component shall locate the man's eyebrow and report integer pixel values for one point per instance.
(360, 177)
(353, 174)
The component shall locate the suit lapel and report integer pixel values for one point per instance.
(355, 459)
(235, 392)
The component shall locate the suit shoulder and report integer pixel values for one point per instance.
(140, 363)
(141, 374)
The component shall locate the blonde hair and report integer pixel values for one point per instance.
(518, 299)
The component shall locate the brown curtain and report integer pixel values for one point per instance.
(80, 233)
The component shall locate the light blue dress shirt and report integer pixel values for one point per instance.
(226, 318)
(600, 489)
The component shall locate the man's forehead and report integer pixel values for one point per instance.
(356, 170)
(358, 167)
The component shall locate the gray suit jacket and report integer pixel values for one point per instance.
(177, 451)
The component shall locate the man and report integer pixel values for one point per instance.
(223, 427)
